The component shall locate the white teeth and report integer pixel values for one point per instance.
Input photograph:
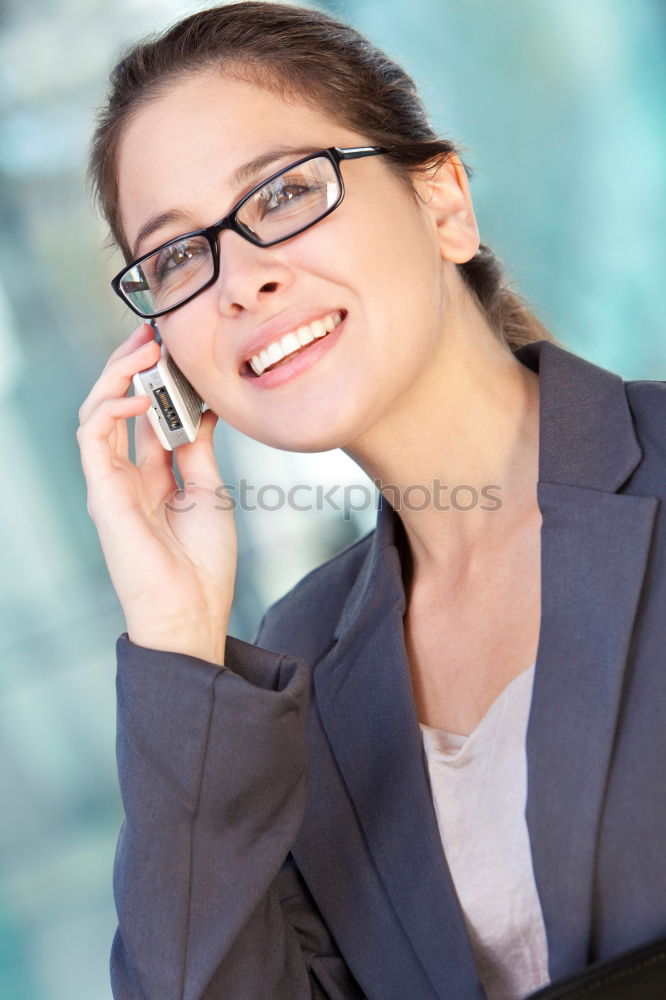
(305, 335)
(275, 352)
(290, 343)
(293, 341)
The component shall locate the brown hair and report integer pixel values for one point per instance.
(294, 51)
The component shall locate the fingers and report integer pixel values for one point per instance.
(102, 432)
(140, 335)
(116, 376)
(96, 435)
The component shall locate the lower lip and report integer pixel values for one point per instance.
(300, 363)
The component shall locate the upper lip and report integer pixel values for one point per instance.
(276, 328)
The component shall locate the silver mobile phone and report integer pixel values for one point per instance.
(176, 407)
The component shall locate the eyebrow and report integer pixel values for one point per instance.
(241, 175)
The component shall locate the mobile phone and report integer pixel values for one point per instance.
(176, 407)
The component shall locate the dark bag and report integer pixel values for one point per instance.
(639, 974)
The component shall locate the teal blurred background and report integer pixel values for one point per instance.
(560, 107)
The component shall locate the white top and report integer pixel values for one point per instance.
(479, 788)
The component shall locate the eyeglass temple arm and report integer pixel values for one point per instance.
(357, 151)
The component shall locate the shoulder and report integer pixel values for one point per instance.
(302, 622)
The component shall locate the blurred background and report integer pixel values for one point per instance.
(560, 107)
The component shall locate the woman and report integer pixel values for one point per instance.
(342, 809)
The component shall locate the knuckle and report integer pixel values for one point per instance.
(83, 430)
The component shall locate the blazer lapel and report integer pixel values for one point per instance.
(366, 703)
(594, 549)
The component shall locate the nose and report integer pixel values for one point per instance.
(248, 273)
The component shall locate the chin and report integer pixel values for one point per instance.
(315, 432)
(310, 442)
(319, 419)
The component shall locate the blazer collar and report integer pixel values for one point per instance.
(594, 550)
(586, 433)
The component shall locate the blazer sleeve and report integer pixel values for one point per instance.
(212, 766)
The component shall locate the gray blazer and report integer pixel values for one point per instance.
(280, 840)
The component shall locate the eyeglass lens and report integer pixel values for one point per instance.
(295, 199)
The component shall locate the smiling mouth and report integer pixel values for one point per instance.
(290, 344)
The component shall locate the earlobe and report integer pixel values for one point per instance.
(447, 197)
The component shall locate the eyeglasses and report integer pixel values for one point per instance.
(287, 203)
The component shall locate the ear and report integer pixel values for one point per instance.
(447, 202)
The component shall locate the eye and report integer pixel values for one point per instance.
(176, 255)
(276, 197)
(287, 192)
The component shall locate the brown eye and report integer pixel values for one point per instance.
(176, 255)
(173, 258)
(272, 199)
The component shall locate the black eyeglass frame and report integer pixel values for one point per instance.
(230, 221)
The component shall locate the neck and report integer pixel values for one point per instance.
(465, 437)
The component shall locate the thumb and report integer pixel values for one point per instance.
(196, 461)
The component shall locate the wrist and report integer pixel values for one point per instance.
(197, 643)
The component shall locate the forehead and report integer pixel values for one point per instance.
(181, 148)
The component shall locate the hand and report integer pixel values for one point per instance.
(173, 570)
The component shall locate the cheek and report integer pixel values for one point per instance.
(394, 242)
(388, 258)
(401, 263)
(189, 335)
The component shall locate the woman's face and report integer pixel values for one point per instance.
(376, 260)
